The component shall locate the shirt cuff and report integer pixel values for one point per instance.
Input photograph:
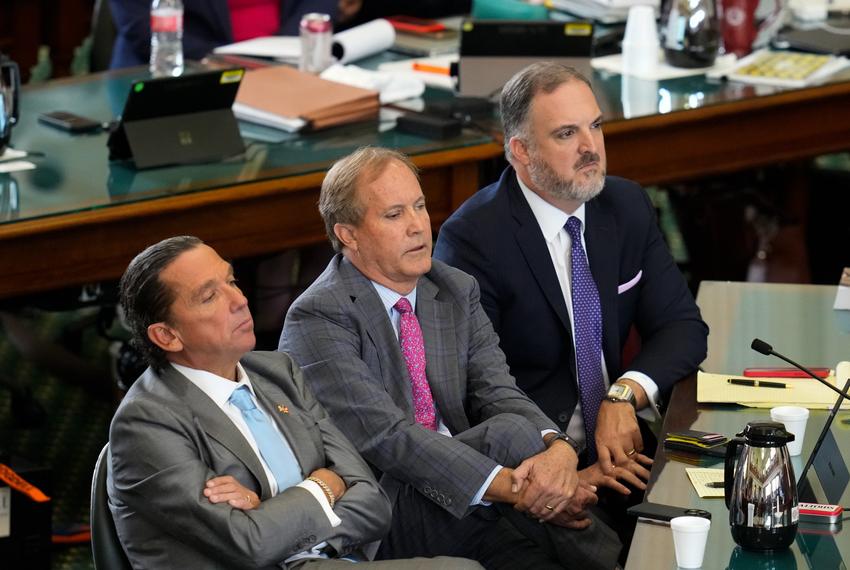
(478, 499)
(313, 488)
(650, 412)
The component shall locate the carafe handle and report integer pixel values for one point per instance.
(13, 77)
(732, 451)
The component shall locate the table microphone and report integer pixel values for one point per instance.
(760, 346)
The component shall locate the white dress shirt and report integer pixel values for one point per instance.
(390, 298)
(552, 221)
(219, 390)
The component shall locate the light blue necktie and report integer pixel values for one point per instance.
(587, 315)
(275, 450)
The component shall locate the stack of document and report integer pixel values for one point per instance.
(287, 99)
(769, 392)
(604, 11)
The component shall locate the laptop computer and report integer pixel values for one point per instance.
(492, 51)
(179, 120)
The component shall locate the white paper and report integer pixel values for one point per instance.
(364, 40)
(353, 44)
(614, 63)
(842, 297)
(288, 124)
(437, 80)
(14, 165)
(277, 47)
(392, 87)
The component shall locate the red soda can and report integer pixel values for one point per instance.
(316, 39)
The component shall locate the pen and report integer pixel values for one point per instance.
(716, 485)
(430, 68)
(756, 383)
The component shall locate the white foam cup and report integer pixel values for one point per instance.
(640, 42)
(794, 418)
(689, 537)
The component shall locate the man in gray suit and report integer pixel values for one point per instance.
(220, 457)
(400, 351)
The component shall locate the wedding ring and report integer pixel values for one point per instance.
(550, 507)
(248, 499)
(630, 453)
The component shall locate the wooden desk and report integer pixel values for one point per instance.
(80, 220)
(797, 320)
(736, 129)
(73, 228)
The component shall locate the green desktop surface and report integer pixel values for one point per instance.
(798, 320)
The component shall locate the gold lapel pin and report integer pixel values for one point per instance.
(282, 409)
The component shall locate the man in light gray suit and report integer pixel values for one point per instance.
(400, 351)
(220, 457)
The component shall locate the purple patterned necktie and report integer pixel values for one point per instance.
(413, 350)
(587, 317)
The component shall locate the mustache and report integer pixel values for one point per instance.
(587, 158)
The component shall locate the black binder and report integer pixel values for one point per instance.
(179, 120)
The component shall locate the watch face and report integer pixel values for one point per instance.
(620, 391)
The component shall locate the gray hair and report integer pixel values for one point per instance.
(338, 203)
(520, 90)
(145, 298)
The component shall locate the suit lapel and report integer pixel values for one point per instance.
(216, 424)
(441, 355)
(601, 238)
(380, 331)
(536, 253)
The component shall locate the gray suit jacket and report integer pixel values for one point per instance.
(168, 438)
(340, 334)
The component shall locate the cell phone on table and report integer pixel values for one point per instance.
(659, 512)
(70, 122)
(783, 372)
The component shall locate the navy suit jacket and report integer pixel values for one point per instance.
(206, 25)
(495, 237)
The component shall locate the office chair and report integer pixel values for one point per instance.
(106, 548)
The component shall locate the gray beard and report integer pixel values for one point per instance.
(547, 180)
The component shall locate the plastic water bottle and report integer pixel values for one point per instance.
(166, 38)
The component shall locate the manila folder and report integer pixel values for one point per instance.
(286, 92)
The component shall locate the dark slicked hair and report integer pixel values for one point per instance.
(145, 298)
(520, 90)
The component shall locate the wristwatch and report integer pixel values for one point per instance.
(619, 392)
(565, 438)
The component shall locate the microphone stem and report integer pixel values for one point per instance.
(812, 374)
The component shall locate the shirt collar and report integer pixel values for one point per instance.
(390, 297)
(550, 219)
(216, 387)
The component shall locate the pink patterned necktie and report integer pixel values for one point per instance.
(413, 350)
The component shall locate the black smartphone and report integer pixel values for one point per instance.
(70, 122)
(660, 512)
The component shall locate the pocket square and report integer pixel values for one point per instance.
(630, 283)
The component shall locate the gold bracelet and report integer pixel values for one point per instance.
(326, 488)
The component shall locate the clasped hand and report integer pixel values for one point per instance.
(549, 488)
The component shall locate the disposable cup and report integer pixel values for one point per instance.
(795, 419)
(689, 537)
(640, 42)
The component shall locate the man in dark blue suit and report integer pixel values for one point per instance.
(568, 261)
